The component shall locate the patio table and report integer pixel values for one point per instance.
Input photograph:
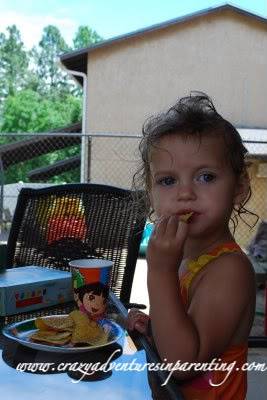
(128, 380)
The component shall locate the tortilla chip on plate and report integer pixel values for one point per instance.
(60, 323)
(51, 337)
(86, 330)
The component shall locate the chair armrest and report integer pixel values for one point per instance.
(134, 305)
(257, 341)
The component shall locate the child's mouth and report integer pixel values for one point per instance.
(188, 216)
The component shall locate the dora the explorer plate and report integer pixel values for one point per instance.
(21, 332)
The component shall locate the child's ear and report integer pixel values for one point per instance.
(242, 188)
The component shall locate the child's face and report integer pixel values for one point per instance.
(94, 304)
(189, 175)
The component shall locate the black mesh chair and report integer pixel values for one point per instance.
(54, 225)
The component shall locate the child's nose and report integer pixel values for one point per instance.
(186, 192)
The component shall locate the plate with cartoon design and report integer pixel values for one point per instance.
(21, 333)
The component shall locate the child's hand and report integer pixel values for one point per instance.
(137, 320)
(165, 247)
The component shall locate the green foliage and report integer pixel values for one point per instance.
(36, 95)
(50, 76)
(28, 111)
(19, 171)
(14, 62)
(85, 37)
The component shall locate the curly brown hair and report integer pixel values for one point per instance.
(195, 116)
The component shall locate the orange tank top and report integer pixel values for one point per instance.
(230, 384)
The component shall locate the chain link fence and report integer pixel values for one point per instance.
(39, 160)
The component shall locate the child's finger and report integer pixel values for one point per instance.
(134, 316)
(142, 328)
(130, 323)
(135, 324)
(182, 232)
(160, 226)
(172, 226)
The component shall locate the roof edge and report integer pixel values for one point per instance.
(161, 25)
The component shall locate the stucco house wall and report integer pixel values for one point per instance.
(221, 52)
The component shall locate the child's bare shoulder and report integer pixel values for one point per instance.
(229, 272)
(235, 265)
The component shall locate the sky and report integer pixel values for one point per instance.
(109, 18)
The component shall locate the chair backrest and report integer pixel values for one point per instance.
(56, 224)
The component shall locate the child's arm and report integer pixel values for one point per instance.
(219, 301)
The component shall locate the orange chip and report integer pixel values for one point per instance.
(185, 217)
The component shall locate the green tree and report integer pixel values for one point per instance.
(36, 95)
(29, 111)
(14, 62)
(52, 80)
(85, 37)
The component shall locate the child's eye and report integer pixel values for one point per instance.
(91, 297)
(206, 178)
(166, 181)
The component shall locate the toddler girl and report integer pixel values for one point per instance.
(201, 285)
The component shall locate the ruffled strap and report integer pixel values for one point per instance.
(194, 266)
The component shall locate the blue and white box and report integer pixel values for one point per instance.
(30, 288)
